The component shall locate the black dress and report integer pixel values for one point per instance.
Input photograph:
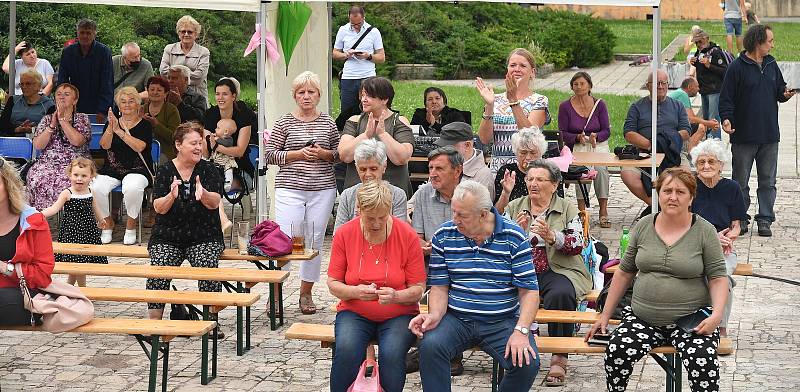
(79, 226)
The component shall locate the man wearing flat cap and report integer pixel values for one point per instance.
(711, 64)
(459, 135)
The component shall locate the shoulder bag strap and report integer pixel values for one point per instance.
(361, 38)
(597, 102)
(127, 131)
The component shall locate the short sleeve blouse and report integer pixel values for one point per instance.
(505, 125)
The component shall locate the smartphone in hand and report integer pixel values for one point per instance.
(599, 339)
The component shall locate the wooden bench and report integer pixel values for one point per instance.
(245, 279)
(670, 361)
(741, 269)
(153, 333)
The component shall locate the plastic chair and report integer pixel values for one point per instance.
(253, 157)
(16, 147)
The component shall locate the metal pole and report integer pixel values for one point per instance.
(330, 60)
(12, 43)
(654, 100)
(262, 206)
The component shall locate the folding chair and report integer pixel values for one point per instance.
(16, 147)
(252, 156)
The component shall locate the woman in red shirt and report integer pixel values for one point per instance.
(24, 240)
(378, 273)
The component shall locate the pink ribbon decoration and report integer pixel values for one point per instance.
(272, 45)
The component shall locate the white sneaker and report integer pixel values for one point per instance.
(130, 237)
(105, 236)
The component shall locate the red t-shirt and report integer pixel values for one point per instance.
(397, 263)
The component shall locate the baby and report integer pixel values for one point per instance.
(222, 136)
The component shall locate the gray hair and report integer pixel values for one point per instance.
(530, 138)
(306, 78)
(124, 49)
(182, 69)
(713, 147)
(370, 149)
(86, 24)
(33, 73)
(552, 170)
(483, 201)
(452, 154)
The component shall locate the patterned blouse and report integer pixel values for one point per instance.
(568, 241)
(505, 125)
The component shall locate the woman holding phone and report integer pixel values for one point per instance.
(680, 291)
(303, 143)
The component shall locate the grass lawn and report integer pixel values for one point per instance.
(636, 36)
(408, 96)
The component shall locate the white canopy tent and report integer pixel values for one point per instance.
(273, 82)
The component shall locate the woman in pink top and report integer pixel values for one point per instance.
(378, 273)
(584, 125)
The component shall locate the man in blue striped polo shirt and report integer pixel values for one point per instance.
(483, 292)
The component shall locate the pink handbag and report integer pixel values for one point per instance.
(63, 307)
(269, 240)
(364, 383)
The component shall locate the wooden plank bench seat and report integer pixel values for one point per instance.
(670, 362)
(245, 279)
(152, 335)
(741, 269)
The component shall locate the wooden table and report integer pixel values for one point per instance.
(609, 159)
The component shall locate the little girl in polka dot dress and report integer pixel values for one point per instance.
(79, 222)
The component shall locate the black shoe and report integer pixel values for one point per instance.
(743, 228)
(763, 229)
(412, 361)
(456, 367)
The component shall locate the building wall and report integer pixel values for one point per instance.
(687, 10)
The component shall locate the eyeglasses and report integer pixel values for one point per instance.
(710, 162)
(660, 84)
(523, 153)
(186, 32)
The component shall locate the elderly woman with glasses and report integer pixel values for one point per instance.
(719, 201)
(378, 273)
(189, 53)
(556, 233)
(528, 145)
(23, 111)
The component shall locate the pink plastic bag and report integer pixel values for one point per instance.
(270, 240)
(364, 383)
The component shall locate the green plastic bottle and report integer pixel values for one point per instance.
(623, 243)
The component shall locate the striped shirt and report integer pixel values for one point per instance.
(483, 279)
(291, 134)
(505, 125)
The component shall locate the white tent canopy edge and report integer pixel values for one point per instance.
(260, 7)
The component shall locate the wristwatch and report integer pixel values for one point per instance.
(9, 270)
(522, 330)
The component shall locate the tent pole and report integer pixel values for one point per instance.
(330, 61)
(12, 43)
(262, 206)
(654, 100)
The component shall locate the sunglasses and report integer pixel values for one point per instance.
(186, 32)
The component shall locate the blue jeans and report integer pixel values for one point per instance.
(348, 93)
(766, 159)
(353, 334)
(453, 336)
(733, 26)
(711, 111)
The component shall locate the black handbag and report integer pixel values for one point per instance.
(574, 173)
(181, 312)
(23, 171)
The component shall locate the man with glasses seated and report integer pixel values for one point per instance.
(673, 129)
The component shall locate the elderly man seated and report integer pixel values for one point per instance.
(131, 69)
(460, 136)
(689, 89)
(465, 307)
(370, 158)
(191, 106)
(673, 128)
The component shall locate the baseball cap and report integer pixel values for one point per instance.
(453, 133)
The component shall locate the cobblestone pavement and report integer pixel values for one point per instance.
(763, 326)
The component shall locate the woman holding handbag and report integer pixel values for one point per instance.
(584, 125)
(127, 141)
(377, 271)
(24, 241)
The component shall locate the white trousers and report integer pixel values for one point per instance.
(312, 207)
(133, 186)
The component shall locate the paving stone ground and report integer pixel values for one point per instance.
(764, 324)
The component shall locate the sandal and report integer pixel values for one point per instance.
(604, 222)
(307, 305)
(557, 375)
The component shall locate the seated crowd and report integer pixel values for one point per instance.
(491, 244)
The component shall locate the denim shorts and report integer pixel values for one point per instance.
(733, 26)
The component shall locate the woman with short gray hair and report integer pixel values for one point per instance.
(528, 145)
(370, 159)
(556, 234)
(719, 200)
(189, 53)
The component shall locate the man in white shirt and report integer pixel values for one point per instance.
(360, 46)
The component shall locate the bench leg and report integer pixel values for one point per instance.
(247, 323)
(165, 365)
(154, 344)
(204, 378)
(671, 363)
(280, 304)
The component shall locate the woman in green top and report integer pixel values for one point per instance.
(162, 115)
(556, 233)
(681, 272)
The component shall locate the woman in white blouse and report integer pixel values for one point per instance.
(189, 53)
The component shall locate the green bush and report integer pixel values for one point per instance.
(468, 39)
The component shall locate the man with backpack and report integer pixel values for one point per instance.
(711, 63)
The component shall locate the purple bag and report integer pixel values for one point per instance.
(269, 240)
